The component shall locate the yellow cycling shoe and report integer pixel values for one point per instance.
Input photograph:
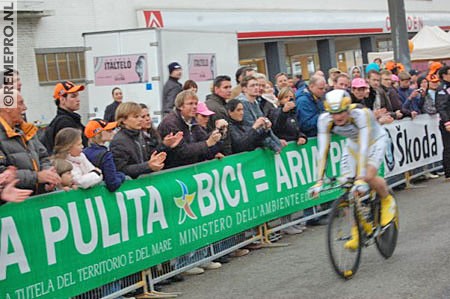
(387, 210)
(353, 243)
(368, 227)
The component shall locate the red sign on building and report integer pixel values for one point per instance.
(153, 19)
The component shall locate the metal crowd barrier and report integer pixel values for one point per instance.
(146, 279)
(265, 234)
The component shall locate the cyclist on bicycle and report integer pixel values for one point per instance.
(361, 157)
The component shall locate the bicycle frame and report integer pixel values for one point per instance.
(361, 212)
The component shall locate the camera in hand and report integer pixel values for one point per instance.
(221, 130)
(266, 123)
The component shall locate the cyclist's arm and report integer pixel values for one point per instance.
(324, 126)
(363, 123)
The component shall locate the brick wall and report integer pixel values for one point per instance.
(45, 33)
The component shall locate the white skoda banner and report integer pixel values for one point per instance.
(414, 143)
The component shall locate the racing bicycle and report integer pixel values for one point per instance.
(364, 212)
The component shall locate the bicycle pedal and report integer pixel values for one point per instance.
(369, 242)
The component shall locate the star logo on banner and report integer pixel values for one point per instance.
(184, 203)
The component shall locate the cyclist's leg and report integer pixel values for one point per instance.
(348, 170)
(348, 160)
(376, 182)
(376, 155)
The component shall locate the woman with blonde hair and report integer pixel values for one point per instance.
(284, 119)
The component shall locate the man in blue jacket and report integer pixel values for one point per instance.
(309, 105)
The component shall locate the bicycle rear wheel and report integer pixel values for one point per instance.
(387, 241)
(341, 219)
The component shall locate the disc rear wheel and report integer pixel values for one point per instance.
(387, 240)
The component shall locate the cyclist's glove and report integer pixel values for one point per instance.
(315, 190)
(360, 187)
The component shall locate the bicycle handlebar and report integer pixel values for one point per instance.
(347, 184)
(335, 183)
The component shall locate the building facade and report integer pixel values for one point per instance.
(291, 36)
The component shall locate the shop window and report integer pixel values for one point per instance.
(259, 64)
(305, 65)
(58, 64)
(384, 45)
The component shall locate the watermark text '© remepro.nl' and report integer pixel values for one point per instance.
(8, 58)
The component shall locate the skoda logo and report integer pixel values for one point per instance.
(389, 156)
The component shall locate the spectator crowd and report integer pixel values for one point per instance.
(254, 113)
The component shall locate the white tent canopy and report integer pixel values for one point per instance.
(429, 43)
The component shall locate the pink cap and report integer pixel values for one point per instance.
(203, 109)
(395, 78)
(359, 82)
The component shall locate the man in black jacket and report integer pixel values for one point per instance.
(110, 110)
(216, 102)
(172, 87)
(196, 145)
(443, 107)
(67, 99)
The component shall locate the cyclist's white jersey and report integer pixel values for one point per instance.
(365, 139)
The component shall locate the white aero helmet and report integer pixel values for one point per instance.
(337, 101)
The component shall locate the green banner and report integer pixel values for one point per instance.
(66, 243)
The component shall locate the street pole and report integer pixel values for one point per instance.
(399, 33)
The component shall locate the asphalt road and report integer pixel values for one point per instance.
(419, 268)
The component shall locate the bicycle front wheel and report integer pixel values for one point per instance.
(341, 220)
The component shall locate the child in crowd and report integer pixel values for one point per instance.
(69, 146)
(64, 169)
(99, 132)
(128, 147)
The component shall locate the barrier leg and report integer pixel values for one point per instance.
(152, 293)
(265, 240)
(408, 183)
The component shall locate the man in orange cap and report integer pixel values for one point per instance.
(434, 67)
(67, 101)
(394, 67)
